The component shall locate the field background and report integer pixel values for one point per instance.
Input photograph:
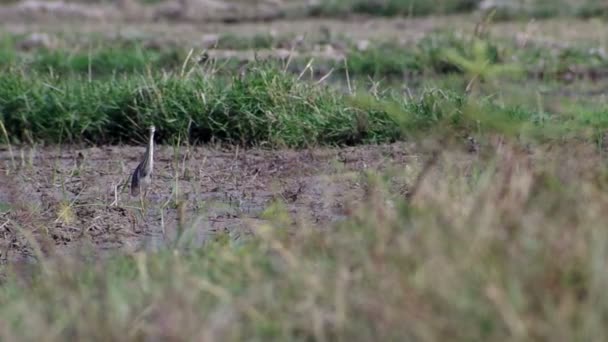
(324, 170)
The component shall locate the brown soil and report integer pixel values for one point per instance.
(65, 199)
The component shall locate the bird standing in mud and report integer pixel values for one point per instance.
(142, 176)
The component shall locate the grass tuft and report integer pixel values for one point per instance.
(266, 106)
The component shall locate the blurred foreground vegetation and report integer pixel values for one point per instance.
(506, 247)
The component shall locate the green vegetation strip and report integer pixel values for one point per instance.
(264, 106)
(505, 10)
(436, 54)
(390, 8)
(107, 59)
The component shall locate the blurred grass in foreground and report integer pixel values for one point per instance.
(513, 247)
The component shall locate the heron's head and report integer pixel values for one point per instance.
(152, 129)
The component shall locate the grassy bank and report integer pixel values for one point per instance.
(265, 106)
(479, 251)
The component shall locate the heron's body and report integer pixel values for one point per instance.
(142, 176)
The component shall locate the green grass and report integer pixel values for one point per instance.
(265, 107)
(393, 7)
(429, 56)
(542, 9)
(511, 10)
(105, 94)
(104, 59)
(258, 41)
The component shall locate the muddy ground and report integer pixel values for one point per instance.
(69, 198)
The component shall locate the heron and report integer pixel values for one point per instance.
(142, 176)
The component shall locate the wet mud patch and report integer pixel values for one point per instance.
(58, 200)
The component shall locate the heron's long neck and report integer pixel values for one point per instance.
(150, 149)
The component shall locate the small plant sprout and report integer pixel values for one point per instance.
(479, 66)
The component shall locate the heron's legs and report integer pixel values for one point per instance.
(141, 201)
(142, 197)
